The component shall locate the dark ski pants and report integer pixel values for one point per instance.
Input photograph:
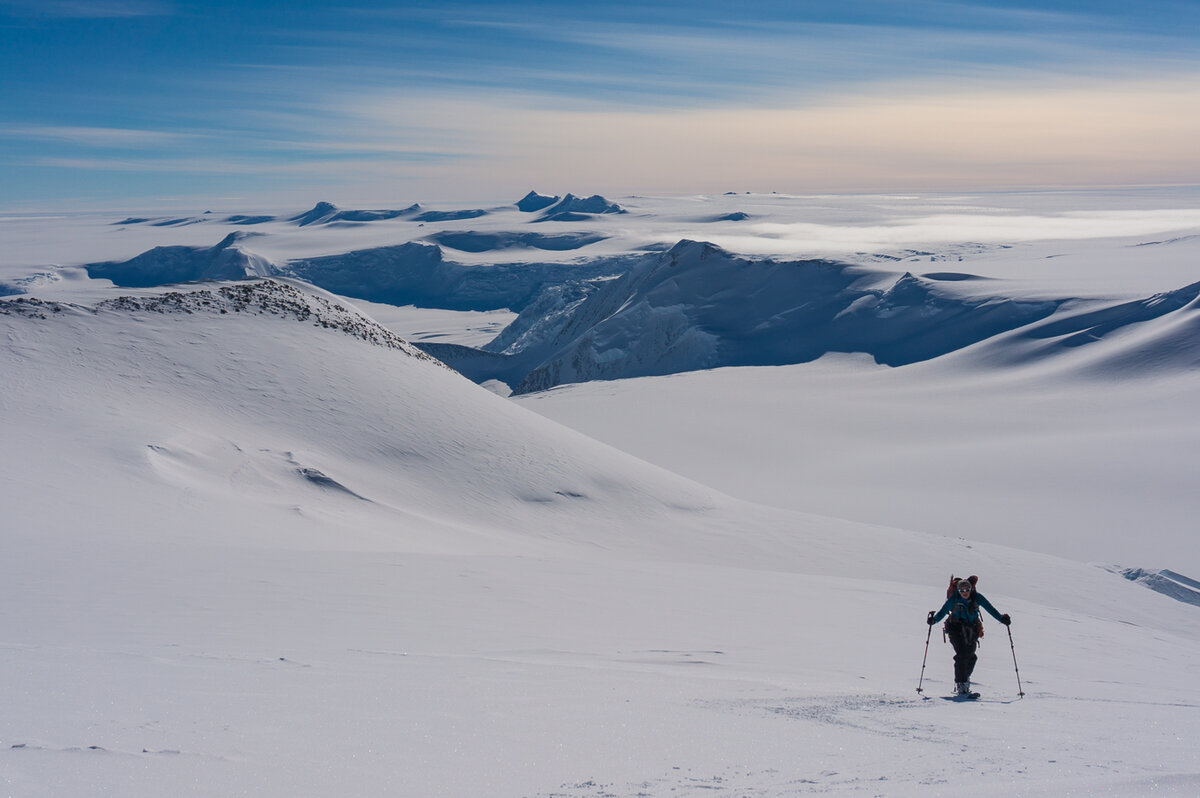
(964, 638)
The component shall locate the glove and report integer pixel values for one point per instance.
(1004, 619)
(929, 618)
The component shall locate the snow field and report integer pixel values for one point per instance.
(270, 551)
(293, 672)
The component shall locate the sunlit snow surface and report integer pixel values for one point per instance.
(254, 543)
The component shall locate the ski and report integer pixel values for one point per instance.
(962, 697)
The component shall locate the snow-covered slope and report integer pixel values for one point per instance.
(1054, 456)
(254, 543)
(233, 393)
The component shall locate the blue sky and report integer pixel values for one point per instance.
(139, 103)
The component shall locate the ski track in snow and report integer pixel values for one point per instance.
(938, 754)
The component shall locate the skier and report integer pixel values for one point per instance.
(963, 628)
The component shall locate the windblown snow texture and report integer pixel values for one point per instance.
(1169, 340)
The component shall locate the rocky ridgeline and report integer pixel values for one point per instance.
(31, 307)
(265, 297)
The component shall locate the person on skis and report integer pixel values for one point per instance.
(963, 629)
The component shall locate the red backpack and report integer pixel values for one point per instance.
(954, 580)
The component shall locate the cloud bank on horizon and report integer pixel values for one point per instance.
(157, 101)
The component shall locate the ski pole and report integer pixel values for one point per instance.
(1020, 691)
(927, 635)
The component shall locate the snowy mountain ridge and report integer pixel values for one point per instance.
(277, 381)
(226, 260)
(273, 297)
(697, 306)
(325, 213)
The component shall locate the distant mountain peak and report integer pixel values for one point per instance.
(593, 204)
(534, 201)
(327, 212)
(686, 249)
(231, 239)
(180, 264)
(574, 209)
(318, 212)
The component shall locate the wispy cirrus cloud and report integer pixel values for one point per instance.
(473, 98)
(914, 135)
(103, 137)
(714, 52)
(89, 9)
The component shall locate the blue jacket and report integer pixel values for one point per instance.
(959, 609)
